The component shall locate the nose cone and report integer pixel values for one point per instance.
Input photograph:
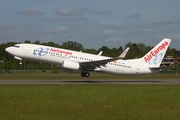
(9, 49)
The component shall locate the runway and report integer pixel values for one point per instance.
(95, 82)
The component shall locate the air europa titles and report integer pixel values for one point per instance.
(156, 51)
(60, 51)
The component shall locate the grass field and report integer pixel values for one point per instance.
(88, 102)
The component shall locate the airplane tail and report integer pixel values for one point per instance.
(155, 56)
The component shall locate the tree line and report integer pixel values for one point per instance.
(137, 50)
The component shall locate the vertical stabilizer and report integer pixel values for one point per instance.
(155, 56)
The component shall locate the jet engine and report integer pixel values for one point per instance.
(70, 65)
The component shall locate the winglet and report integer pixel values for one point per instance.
(123, 54)
(100, 53)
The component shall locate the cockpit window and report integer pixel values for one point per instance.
(16, 46)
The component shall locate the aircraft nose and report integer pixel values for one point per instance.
(9, 49)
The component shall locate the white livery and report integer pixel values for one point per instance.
(69, 59)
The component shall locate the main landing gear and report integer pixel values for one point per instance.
(85, 73)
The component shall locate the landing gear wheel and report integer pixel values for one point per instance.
(85, 74)
(82, 74)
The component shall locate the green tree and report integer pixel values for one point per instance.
(106, 51)
(27, 41)
(52, 44)
(37, 42)
(72, 46)
(92, 51)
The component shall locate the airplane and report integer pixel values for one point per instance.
(69, 59)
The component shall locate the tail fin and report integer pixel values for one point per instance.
(155, 56)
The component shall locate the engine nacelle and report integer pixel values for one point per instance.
(70, 65)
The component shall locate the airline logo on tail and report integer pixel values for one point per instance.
(154, 53)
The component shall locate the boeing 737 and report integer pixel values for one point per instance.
(69, 59)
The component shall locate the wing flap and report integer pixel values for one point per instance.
(97, 63)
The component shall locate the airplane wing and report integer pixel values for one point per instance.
(91, 65)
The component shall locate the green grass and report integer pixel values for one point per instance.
(89, 102)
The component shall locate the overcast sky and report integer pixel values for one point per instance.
(93, 23)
